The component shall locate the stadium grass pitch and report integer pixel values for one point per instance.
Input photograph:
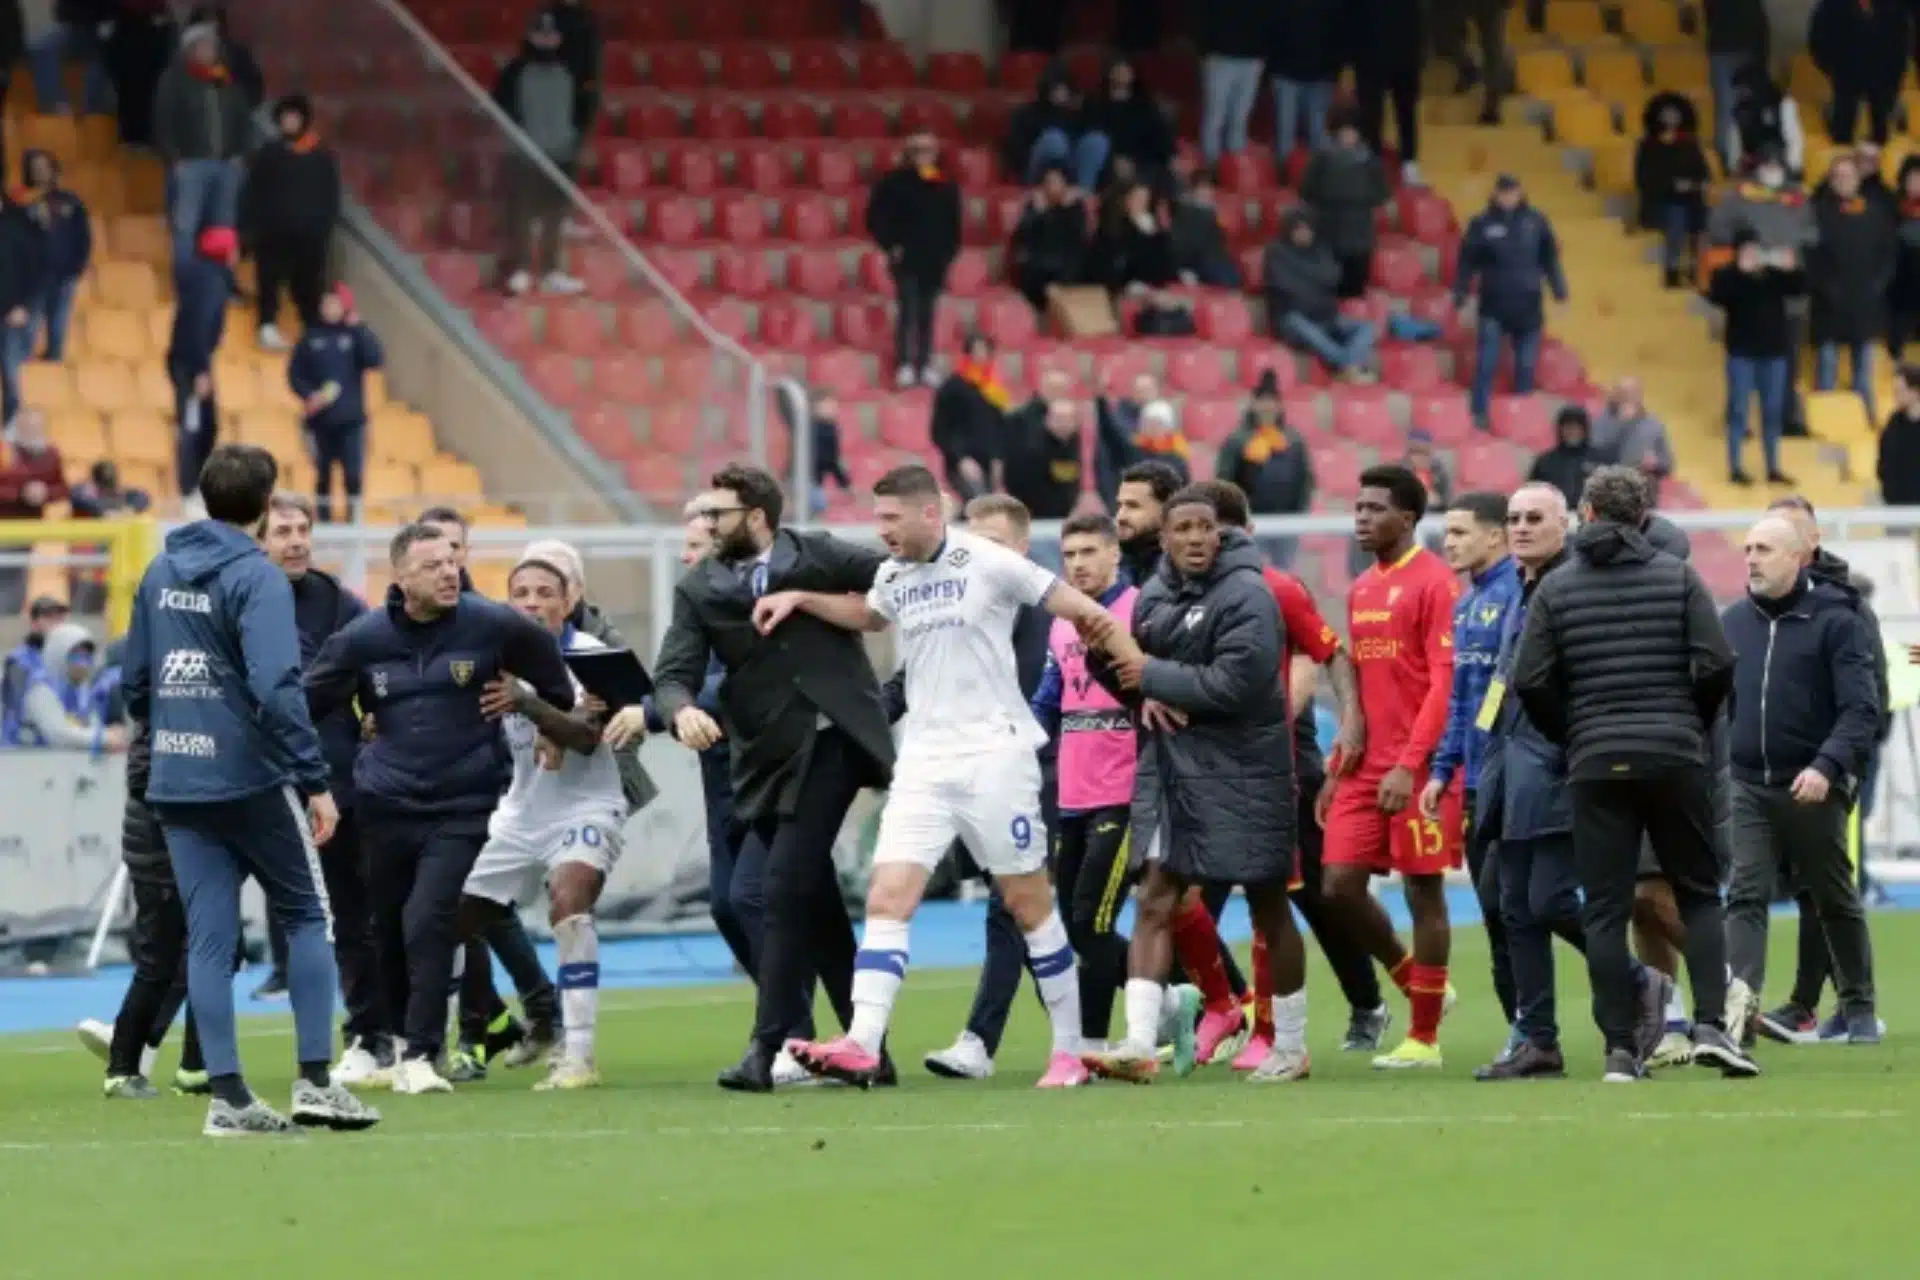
(1806, 1172)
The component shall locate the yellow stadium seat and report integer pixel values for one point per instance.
(271, 429)
(390, 493)
(450, 480)
(489, 516)
(116, 334)
(1576, 21)
(57, 134)
(99, 139)
(140, 238)
(400, 436)
(1809, 86)
(374, 391)
(138, 436)
(1611, 70)
(490, 577)
(160, 326)
(153, 388)
(77, 433)
(126, 284)
(237, 384)
(1680, 67)
(146, 473)
(1653, 22)
(109, 386)
(1838, 416)
(145, 183)
(1540, 71)
(296, 472)
(101, 186)
(1580, 120)
(1613, 167)
(47, 386)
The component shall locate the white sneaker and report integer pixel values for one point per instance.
(357, 1068)
(518, 283)
(904, 377)
(417, 1075)
(559, 282)
(930, 377)
(967, 1059)
(330, 1108)
(787, 1071)
(1743, 1005)
(1410, 175)
(96, 1037)
(1674, 1050)
(1281, 1066)
(271, 339)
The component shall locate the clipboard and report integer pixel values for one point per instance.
(615, 676)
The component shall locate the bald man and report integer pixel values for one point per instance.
(1805, 712)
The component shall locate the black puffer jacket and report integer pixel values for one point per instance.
(1218, 795)
(143, 846)
(1623, 660)
(1831, 569)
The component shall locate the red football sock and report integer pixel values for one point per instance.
(1262, 988)
(1197, 942)
(1402, 975)
(1428, 994)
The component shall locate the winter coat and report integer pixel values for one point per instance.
(1803, 686)
(1861, 42)
(196, 119)
(965, 424)
(1234, 28)
(1623, 699)
(919, 216)
(1567, 465)
(540, 92)
(1671, 169)
(143, 844)
(1299, 280)
(1051, 243)
(581, 47)
(321, 606)
(23, 257)
(1631, 441)
(1136, 127)
(292, 193)
(1479, 629)
(1849, 269)
(1345, 187)
(1738, 26)
(1305, 47)
(1216, 796)
(1903, 295)
(1124, 254)
(1523, 779)
(1756, 309)
(1514, 256)
(1277, 481)
(1898, 467)
(1384, 36)
(1041, 115)
(336, 355)
(1199, 241)
(1831, 569)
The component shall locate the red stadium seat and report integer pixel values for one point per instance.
(859, 119)
(675, 428)
(653, 118)
(660, 477)
(863, 326)
(579, 328)
(1489, 465)
(746, 67)
(1248, 172)
(1021, 71)
(930, 115)
(821, 67)
(1115, 374)
(681, 268)
(831, 169)
(968, 275)
(1444, 413)
(1397, 268)
(763, 167)
(1425, 215)
(678, 67)
(740, 219)
(1210, 420)
(787, 326)
(672, 220)
(742, 272)
(788, 118)
(730, 318)
(815, 273)
(723, 118)
(1409, 367)
(842, 372)
(1338, 471)
(956, 72)
(606, 430)
(508, 327)
(808, 218)
(1305, 409)
(457, 274)
(1522, 420)
(648, 326)
(973, 167)
(1008, 321)
(1196, 370)
(906, 422)
(629, 167)
(1222, 317)
(1051, 357)
(625, 378)
(1361, 415)
(872, 274)
(556, 376)
(885, 67)
(1559, 370)
(693, 171)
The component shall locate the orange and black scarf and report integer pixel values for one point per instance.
(1267, 440)
(985, 379)
(210, 72)
(305, 143)
(1165, 443)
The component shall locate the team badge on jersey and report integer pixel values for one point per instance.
(379, 684)
(958, 557)
(462, 671)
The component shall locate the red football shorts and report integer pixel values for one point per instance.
(1359, 835)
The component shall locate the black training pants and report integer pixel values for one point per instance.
(297, 262)
(157, 945)
(1610, 818)
(1093, 879)
(416, 868)
(1372, 86)
(344, 867)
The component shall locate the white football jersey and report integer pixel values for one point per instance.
(583, 787)
(954, 615)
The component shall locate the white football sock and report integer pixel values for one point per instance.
(1290, 1021)
(1143, 1014)
(879, 968)
(147, 1054)
(578, 942)
(1050, 956)
(1677, 1009)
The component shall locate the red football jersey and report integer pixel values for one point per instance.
(1302, 628)
(1400, 632)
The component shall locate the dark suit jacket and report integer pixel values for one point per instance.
(777, 686)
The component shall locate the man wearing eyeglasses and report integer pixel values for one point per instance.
(801, 709)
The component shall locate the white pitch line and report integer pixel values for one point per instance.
(850, 1131)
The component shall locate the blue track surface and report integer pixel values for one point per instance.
(945, 935)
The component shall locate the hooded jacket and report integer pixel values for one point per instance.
(1898, 464)
(1849, 268)
(1861, 42)
(321, 607)
(1831, 569)
(1515, 257)
(1301, 280)
(200, 119)
(1671, 169)
(1218, 795)
(1345, 187)
(550, 103)
(917, 214)
(1755, 303)
(1623, 700)
(336, 355)
(1567, 465)
(143, 844)
(1804, 691)
(212, 667)
(53, 711)
(1304, 44)
(434, 753)
(293, 187)
(1042, 114)
(1480, 624)
(1135, 126)
(1050, 242)
(1277, 478)
(68, 230)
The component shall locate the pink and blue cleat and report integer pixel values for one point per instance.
(1064, 1071)
(1259, 1045)
(844, 1060)
(1217, 1028)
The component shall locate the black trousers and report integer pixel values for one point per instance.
(1371, 88)
(1488, 20)
(1094, 877)
(191, 448)
(1484, 871)
(343, 866)
(1355, 270)
(157, 946)
(808, 932)
(915, 297)
(416, 868)
(1539, 896)
(480, 1002)
(1611, 816)
(1849, 96)
(536, 214)
(295, 262)
(346, 448)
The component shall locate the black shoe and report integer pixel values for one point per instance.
(1490, 118)
(1713, 1047)
(1675, 278)
(886, 1077)
(1863, 1028)
(1623, 1067)
(752, 1074)
(1466, 78)
(1739, 477)
(1651, 1026)
(1781, 478)
(1528, 1062)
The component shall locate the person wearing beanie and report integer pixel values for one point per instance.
(201, 127)
(541, 92)
(328, 371)
(1271, 463)
(204, 286)
(290, 206)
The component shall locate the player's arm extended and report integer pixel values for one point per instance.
(1431, 720)
(575, 730)
(1099, 628)
(848, 612)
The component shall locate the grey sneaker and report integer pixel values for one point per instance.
(536, 1046)
(1367, 1030)
(1713, 1047)
(1622, 1068)
(255, 1120)
(1656, 989)
(1864, 1028)
(330, 1107)
(464, 1066)
(1743, 1008)
(130, 1088)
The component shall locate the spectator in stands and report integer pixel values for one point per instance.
(101, 495)
(1488, 19)
(31, 471)
(1344, 187)
(1567, 465)
(1849, 270)
(23, 272)
(1051, 132)
(1134, 428)
(292, 201)
(1134, 249)
(1510, 250)
(1303, 61)
(1898, 466)
(234, 53)
(76, 32)
(1765, 121)
(1271, 463)
(1903, 295)
(1754, 290)
(1861, 46)
(328, 372)
(1671, 175)
(1628, 435)
(67, 244)
(824, 419)
(1427, 465)
(1301, 281)
(540, 92)
(1200, 251)
(968, 421)
(1045, 467)
(27, 657)
(139, 49)
(914, 216)
(1737, 38)
(56, 707)
(1386, 42)
(581, 49)
(13, 44)
(1233, 37)
(202, 127)
(1125, 113)
(204, 286)
(1049, 245)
